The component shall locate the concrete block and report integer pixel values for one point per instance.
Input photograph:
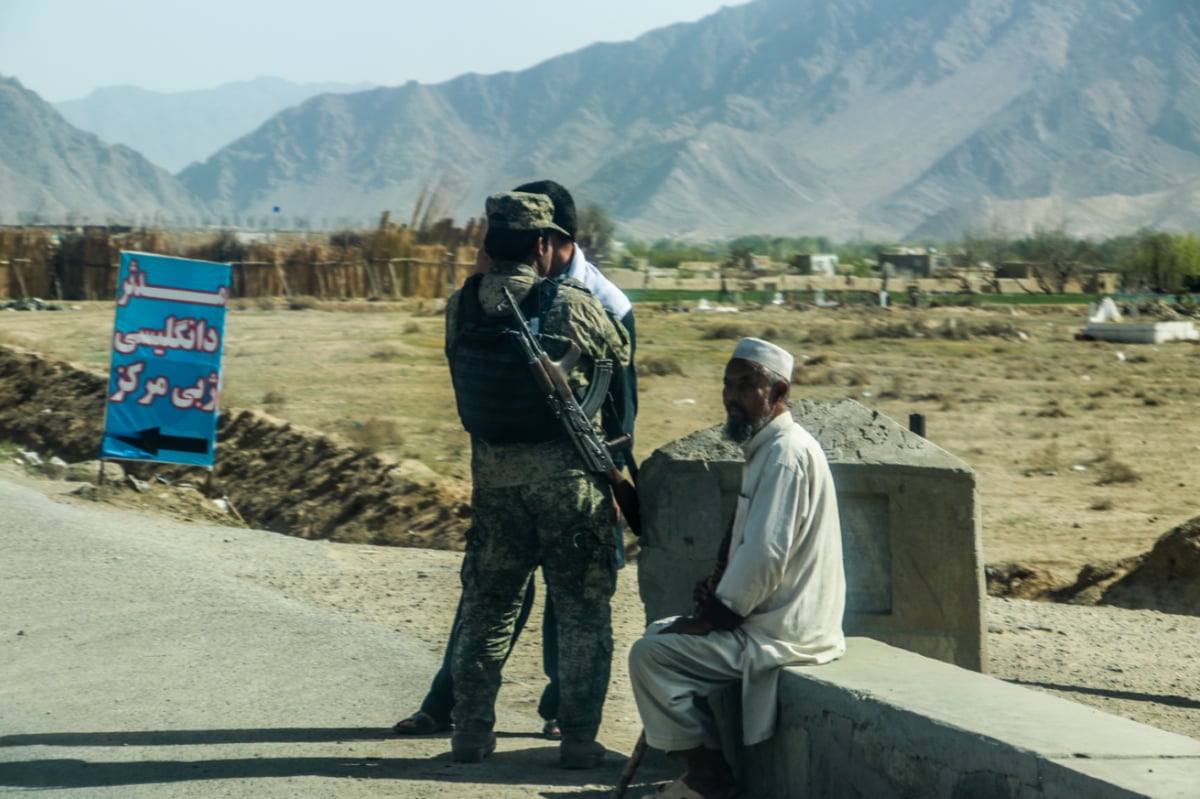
(1141, 332)
(688, 495)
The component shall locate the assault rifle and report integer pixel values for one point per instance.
(552, 379)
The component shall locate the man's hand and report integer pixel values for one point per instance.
(687, 625)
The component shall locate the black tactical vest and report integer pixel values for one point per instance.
(497, 396)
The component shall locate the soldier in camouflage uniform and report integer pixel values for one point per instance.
(535, 503)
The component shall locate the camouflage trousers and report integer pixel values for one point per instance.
(565, 525)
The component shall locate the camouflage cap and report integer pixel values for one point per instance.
(519, 210)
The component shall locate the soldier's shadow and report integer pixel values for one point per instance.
(534, 765)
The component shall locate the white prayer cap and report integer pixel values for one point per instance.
(766, 354)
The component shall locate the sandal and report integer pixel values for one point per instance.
(550, 731)
(421, 723)
(678, 789)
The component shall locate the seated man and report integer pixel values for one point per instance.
(776, 600)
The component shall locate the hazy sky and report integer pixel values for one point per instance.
(62, 49)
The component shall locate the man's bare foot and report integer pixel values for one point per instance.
(685, 788)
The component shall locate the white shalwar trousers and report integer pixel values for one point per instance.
(669, 672)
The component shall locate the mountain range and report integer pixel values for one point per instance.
(175, 129)
(50, 171)
(890, 119)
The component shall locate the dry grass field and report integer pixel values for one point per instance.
(1085, 451)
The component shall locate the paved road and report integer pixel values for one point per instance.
(135, 662)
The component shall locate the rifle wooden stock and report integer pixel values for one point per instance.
(627, 499)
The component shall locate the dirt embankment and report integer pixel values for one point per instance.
(1166, 579)
(276, 475)
(290, 479)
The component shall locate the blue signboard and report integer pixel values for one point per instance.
(165, 379)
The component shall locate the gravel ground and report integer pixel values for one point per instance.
(1140, 664)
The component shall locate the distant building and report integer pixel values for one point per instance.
(819, 264)
(1087, 280)
(1100, 281)
(911, 262)
(1016, 270)
(759, 263)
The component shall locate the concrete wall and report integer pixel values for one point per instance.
(1141, 332)
(885, 723)
(911, 528)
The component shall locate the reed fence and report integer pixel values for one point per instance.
(383, 264)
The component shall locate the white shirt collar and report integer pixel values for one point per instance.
(773, 428)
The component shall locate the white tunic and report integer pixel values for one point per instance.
(785, 572)
(605, 290)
